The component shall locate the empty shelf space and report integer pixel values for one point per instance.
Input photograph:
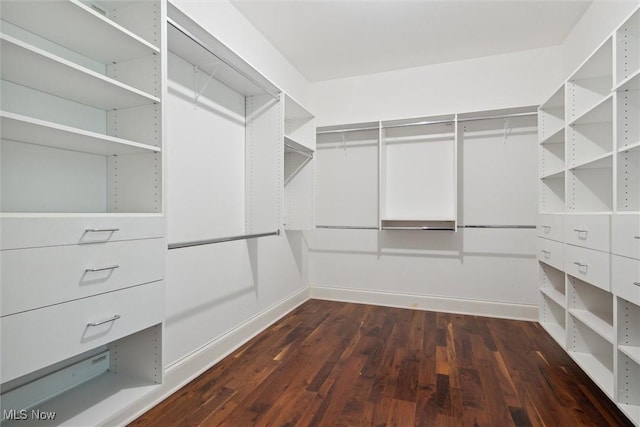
(555, 101)
(599, 372)
(633, 352)
(35, 68)
(598, 64)
(68, 24)
(554, 295)
(628, 47)
(595, 322)
(631, 411)
(556, 331)
(604, 161)
(293, 146)
(600, 112)
(555, 136)
(33, 131)
(553, 174)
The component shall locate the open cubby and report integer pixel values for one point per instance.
(592, 353)
(552, 318)
(590, 187)
(592, 305)
(629, 387)
(591, 83)
(551, 159)
(552, 194)
(552, 283)
(628, 48)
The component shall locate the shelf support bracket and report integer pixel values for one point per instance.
(196, 70)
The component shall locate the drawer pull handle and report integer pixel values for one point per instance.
(581, 265)
(636, 283)
(637, 237)
(546, 252)
(109, 267)
(113, 319)
(101, 230)
(580, 230)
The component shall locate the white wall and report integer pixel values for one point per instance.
(500, 81)
(600, 19)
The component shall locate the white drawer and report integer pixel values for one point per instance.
(625, 235)
(588, 265)
(550, 252)
(550, 226)
(35, 339)
(18, 233)
(37, 277)
(588, 231)
(625, 278)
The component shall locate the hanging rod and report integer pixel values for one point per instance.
(193, 38)
(500, 116)
(322, 132)
(221, 240)
(434, 122)
(499, 226)
(346, 227)
(426, 228)
(307, 153)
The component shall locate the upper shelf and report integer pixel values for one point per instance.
(68, 23)
(29, 66)
(601, 112)
(293, 110)
(33, 131)
(599, 63)
(193, 43)
(555, 101)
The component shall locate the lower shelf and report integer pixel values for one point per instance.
(93, 402)
(556, 331)
(598, 371)
(631, 411)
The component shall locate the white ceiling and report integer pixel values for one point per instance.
(331, 39)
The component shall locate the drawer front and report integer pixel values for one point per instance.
(588, 231)
(35, 339)
(625, 278)
(550, 226)
(625, 235)
(588, 265)
(19, 233)
(550, 252)
(37, 277)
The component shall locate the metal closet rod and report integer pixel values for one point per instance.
(233, 67)
(436, 122)
(221, 240)
(351, 227)
(306, 153)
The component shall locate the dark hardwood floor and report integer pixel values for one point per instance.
(341, 364)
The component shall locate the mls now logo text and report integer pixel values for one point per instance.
(23, 414)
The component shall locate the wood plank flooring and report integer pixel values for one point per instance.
(342, 364)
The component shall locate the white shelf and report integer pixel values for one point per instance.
(555, 101)
(108, 43)
(554, 295)
(633, 352)
(97, 399)
(631, 147)
(553, 174)
(598, 371)
(594, 322)
(601, 112)
(630, 83)
(29, 66)
(598, 64)
(556, 137)
(604, 161)
(33, 131)
(556, 331)
(631, 411)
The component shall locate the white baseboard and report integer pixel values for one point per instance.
(425, 302)
(186, 369)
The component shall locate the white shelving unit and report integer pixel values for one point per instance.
(81, 162)
(419, 173)
(594, 190)
(299, 164)
(240, 157)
